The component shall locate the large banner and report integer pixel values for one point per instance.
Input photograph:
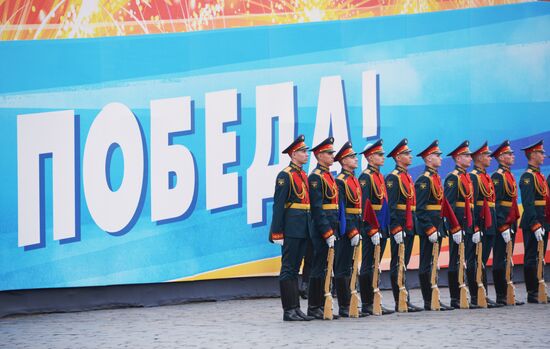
(153, 158)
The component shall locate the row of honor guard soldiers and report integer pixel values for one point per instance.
(478, 213)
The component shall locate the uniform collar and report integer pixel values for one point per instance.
(533, 168)
(431, 170)
(323, 168)
(373, 168)
(401, 169)
(296, 167)
(348, 173)
(479, 169)
(504, 168)
(460, 169)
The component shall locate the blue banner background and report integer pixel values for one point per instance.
(478, 74)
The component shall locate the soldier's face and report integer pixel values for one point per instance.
(537, 158)
(376, 159)
(507, 159)
(434, 160)
(350, 162)
(300, 156)
(326, 159)
(483, 160)
(464, 160)
(404, 159)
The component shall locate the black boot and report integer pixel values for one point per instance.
(411, 308)
(367, 293)
(531, 284)
(499, 279)
(344, 296)
(395, 290)
(315, 298)
(454, 291)
(472, 287)
(296, 299)
(287, 300)
(426, 288)
(304, 289)
(490, 303)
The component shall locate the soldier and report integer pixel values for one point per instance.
(506, 194)
(373, 188)
(291, 225)
(323, 193)
(350, 201)
(534, 224)
(484, 215)
(431, 227)
(460, 193)
(402, 201)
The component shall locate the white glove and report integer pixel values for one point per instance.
(279, 242)
(476, 237)
(355, 240)
(398, 237)
(506, 235)
(457, 237)
(330, 241)
(539, 233)
(433, 237)
(375, 238)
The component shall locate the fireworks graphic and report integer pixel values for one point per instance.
(61, 19)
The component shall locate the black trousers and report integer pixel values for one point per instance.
(343, 257)
(499, 251)
(319, 260)
(293, 252)
(308, 260)
(469, 253)
(408, 241)
(531, 248)
(367, 254)
(426, 254)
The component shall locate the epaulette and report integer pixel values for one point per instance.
(455, 172)
(287, 169)
(451, 174)
(317, 171)
(341, 176)
(367, 171)
(395, 172)
(499, 171)
(529, 170)
(427, 173)
(474, 171)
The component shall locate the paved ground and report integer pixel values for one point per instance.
(257, 323)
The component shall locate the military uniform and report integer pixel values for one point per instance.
(402, 204)
(373, 188)
(291, 223)
(507, 214)
(430, 196)
(459, 191)
(350, 201)
(485, 217)
(535, 197)
(323, 193)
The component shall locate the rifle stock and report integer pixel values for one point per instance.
(435, 290)
(510, 288)
(354, 302)
(464, 304)
(543, 295)
(377, 301)
(403, 295)
(327, 313)
(481, 295)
